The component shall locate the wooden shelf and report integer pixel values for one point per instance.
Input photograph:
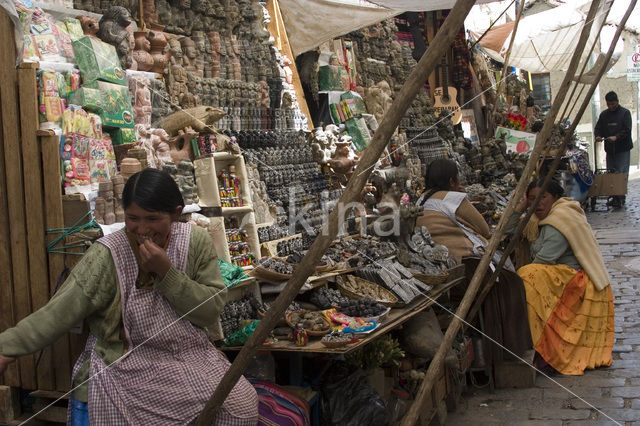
(395, 317)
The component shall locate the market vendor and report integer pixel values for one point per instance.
(455, 223)
(146, 292)
(450, 217)
(569, 299)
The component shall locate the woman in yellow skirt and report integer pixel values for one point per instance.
(569, 299)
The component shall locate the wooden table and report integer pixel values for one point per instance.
(395, 317)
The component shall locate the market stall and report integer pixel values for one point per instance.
(116, 90)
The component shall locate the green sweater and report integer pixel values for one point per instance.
(551, 247)
(91, 293)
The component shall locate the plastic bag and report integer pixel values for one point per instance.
(349, 400)
(241, 336)
(231, 274)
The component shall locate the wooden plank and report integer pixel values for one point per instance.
(12, 374)
(36, 245)
(277, 30)
(54, 218)
(14, 188)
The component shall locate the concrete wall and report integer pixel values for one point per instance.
(615, 80)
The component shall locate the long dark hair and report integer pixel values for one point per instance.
(153, 190)
(554, 188)
(439, 175)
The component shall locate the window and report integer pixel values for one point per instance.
(542, 90)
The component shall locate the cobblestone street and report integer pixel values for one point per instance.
(614, 391)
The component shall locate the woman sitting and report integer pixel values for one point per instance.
(450, 217)
(145, 292)
(570, 303)
(455, 223)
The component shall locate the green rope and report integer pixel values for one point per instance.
(65, 232)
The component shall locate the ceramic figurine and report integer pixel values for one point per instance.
(186, 182)
(180, 146)
(160, 142)
(105, 191)
(141, 99)
(98, 211)
(215, 43)
(189, 55)
(340, 162)
(177, 83)
(89, 25)
(158, 40)
(118, 187)
(113, 30)
(160, 106)
(141, 53)
(150, 15)
(201, 54)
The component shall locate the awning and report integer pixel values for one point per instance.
(546, 41)
(310, 23)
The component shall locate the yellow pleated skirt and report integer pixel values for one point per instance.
(572, 323)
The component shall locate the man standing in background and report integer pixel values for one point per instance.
(614, 127)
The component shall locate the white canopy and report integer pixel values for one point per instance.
(310, 23)
(545, 42)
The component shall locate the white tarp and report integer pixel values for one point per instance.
(545, 42)
(310, 23)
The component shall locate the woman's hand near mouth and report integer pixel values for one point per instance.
(153, 258)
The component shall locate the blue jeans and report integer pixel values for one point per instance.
(619, 162)
(79, 413)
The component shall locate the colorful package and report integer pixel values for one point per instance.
(101, 149)
(29, 51)
(53, 108)
(74, 28)
(116, 108)
(102, 170)
(80, 147)
(64, 42)
(98, 60)
(80, 169)
(47, 47)
(39, 23)
(122, 136)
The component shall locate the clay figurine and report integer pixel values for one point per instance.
(89, 25)
(141, 53)
(158, 40)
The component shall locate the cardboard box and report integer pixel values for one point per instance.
(115, 101)
(608, 184)
(122, 136)
(87, 98)
(98, 60)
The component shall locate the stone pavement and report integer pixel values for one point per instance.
(614, 391)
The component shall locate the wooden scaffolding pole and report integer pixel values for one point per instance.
(351, 194)
(505, 66)
(437, 363)
(556, 162)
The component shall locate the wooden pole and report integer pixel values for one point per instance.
(437, 363)
(503, 76)
(556, 162)
(351, 194)
(492, 24)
